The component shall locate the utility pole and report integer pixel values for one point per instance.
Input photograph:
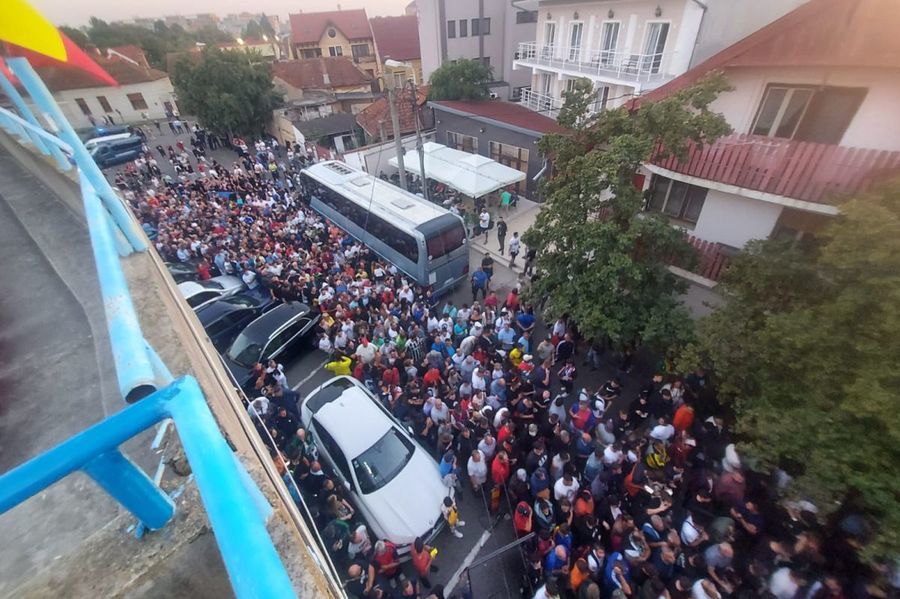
(414, 98)
(395, 122)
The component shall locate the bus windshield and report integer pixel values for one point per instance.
(441, 243)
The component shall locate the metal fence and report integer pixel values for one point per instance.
(235, 506)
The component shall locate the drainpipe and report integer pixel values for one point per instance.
(442, 29)
(481, 30)
(704, 7)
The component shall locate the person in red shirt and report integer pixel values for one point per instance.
(385, 560)
(506, 431)
(522, 519)
(512, 300)
(391, 377)
(432, 377)
(500, 469)
(421, 558)
(684, 417)
(491, 301)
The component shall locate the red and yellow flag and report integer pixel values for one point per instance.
(27, 33)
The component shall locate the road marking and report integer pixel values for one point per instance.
(454, 580)
(311, 374)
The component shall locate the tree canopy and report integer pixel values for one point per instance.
(253, 30)
(460, 80)
(806, 349)
(228, 92)
(601, 258)
(156, 43)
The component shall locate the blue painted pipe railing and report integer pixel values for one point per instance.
(234, 504)
(253, 564)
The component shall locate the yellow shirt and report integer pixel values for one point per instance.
(515, 356)
(339, 367)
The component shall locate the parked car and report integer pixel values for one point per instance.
(94, 133)
(201, 293)
(182, 271)
(393, 481)
(115, 152)
(280, 333)
(225, 318)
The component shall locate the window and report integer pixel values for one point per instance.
(486, 26)
(513, 157)
(486, 61)
(359, 50)
(654, 45)
(526, 16)
(807, 114)
(517, 93)
(311, 53)
(335, 51)
(609, 41)
(676, 199)
(202, 298)
(85, 109)
(104, 104)
(444, 242)
(576, 30)
(400, 241)
(284, 337)
(378, 465)
(476, 30)
(466, 143)
(451, 29)
(463, 28)
(137, 101)
(334, 452)
(601, 97)
(332, 32)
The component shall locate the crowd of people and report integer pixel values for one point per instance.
(615, 495)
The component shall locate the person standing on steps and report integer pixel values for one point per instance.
(501, 232)
(514, 246)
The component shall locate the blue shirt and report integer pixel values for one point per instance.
(506, 337)
(479, 279)
(525, 319)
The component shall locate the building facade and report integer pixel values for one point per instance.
(397, 38)
(335, 33)
(624, 48)
(813, 120)
(503, 131)
(143, 93)
(476, 29)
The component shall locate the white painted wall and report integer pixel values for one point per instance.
(683, 16)
(154, 92)
(733, 220)
(429, 36)
(874, 126)
(727, 21)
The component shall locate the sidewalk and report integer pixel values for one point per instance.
(518, 221)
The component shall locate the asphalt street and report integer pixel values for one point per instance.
(495, 574)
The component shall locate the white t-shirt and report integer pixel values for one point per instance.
(561, 489)
(484, 220)
(514, 245)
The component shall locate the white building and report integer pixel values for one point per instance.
(814, 116)
(624, 47)
(486, 30)
(142, 93)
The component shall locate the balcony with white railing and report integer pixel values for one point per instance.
(644, 71)
(543, 103)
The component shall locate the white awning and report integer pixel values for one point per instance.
(469, 174)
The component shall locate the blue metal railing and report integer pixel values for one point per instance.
(231, 499)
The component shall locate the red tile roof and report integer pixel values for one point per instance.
(397, 37)
(310, 73)
(308, 27)
(378, 113)
(126, 73)
(133, 52)
(831, 33)
(505, 112)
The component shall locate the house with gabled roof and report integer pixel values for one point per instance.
(335, 33)
(813, 110)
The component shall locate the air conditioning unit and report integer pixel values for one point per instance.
(493, 96)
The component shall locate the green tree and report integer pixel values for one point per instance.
(806, 348)
(600, 258)
(460, 80)
(76, 35)
(266, 26)
(253, 30)
(229, 92)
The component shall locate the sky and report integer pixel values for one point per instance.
(77, 13)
